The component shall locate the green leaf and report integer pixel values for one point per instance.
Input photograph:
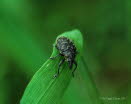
(82, 89)
(43, 88)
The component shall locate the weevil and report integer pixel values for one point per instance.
(68, 51)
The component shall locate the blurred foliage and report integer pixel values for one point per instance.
(28, 29)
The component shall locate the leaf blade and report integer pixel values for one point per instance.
(43, 88)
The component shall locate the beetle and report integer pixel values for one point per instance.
(66, 49)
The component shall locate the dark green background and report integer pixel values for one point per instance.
(28, 29)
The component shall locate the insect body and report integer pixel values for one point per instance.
(68, 50)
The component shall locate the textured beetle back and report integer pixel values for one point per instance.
(66, 47)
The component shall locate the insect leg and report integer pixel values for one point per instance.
(58, 71)
(74, 68)
(61, 62)
(54, 57)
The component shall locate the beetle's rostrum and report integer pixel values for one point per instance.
(66, 49)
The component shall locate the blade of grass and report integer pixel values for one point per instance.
(43, 89)
(82, 90)
(92, 92)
